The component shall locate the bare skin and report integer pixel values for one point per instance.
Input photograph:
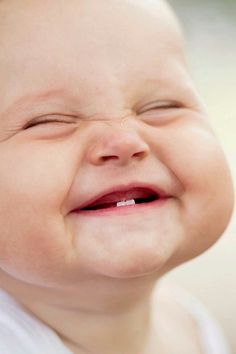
(96, 95)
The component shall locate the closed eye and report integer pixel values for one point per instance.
(161, 105)
(49, 120)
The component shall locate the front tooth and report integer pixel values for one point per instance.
(130, 202)
(125, 202)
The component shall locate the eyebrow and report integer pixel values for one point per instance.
(30, 99)
(41, 96)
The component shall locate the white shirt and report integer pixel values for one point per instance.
(21, 333)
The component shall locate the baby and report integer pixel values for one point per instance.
(110, 176)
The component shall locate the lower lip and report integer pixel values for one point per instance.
(122, 210)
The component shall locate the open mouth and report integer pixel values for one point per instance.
(123, 199)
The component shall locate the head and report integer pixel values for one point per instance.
(96, 96)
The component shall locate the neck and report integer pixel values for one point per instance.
(105, 333)
(117, 321)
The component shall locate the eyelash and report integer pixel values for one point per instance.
(44, 121)
(168, 105)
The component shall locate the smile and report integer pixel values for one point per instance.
(125, 198)
(120, 203)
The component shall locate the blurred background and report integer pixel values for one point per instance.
(210, 27)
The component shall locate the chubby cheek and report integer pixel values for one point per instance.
(31, 252)
(33, 239)
(207, 201)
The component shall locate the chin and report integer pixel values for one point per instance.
(136, 265)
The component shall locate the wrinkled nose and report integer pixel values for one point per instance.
(120, 148)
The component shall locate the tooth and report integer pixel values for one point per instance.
(119, 204)
(130, 202)
(125, 202)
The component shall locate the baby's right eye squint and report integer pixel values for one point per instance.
(46, 121)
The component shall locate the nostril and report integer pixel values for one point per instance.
(140, 154)
(109, 157)
(123, 157)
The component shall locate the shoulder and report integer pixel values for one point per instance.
(187, 321)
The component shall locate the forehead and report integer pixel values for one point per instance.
(99, 24)
(105, 40)
(115, 15)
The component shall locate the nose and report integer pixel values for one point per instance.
(119, 148)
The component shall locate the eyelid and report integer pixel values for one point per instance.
(160, 105)
(49, 118)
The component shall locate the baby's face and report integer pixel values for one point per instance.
(96, 108)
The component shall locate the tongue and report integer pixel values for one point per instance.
(111, 200)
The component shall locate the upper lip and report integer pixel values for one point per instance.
(123, 192)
